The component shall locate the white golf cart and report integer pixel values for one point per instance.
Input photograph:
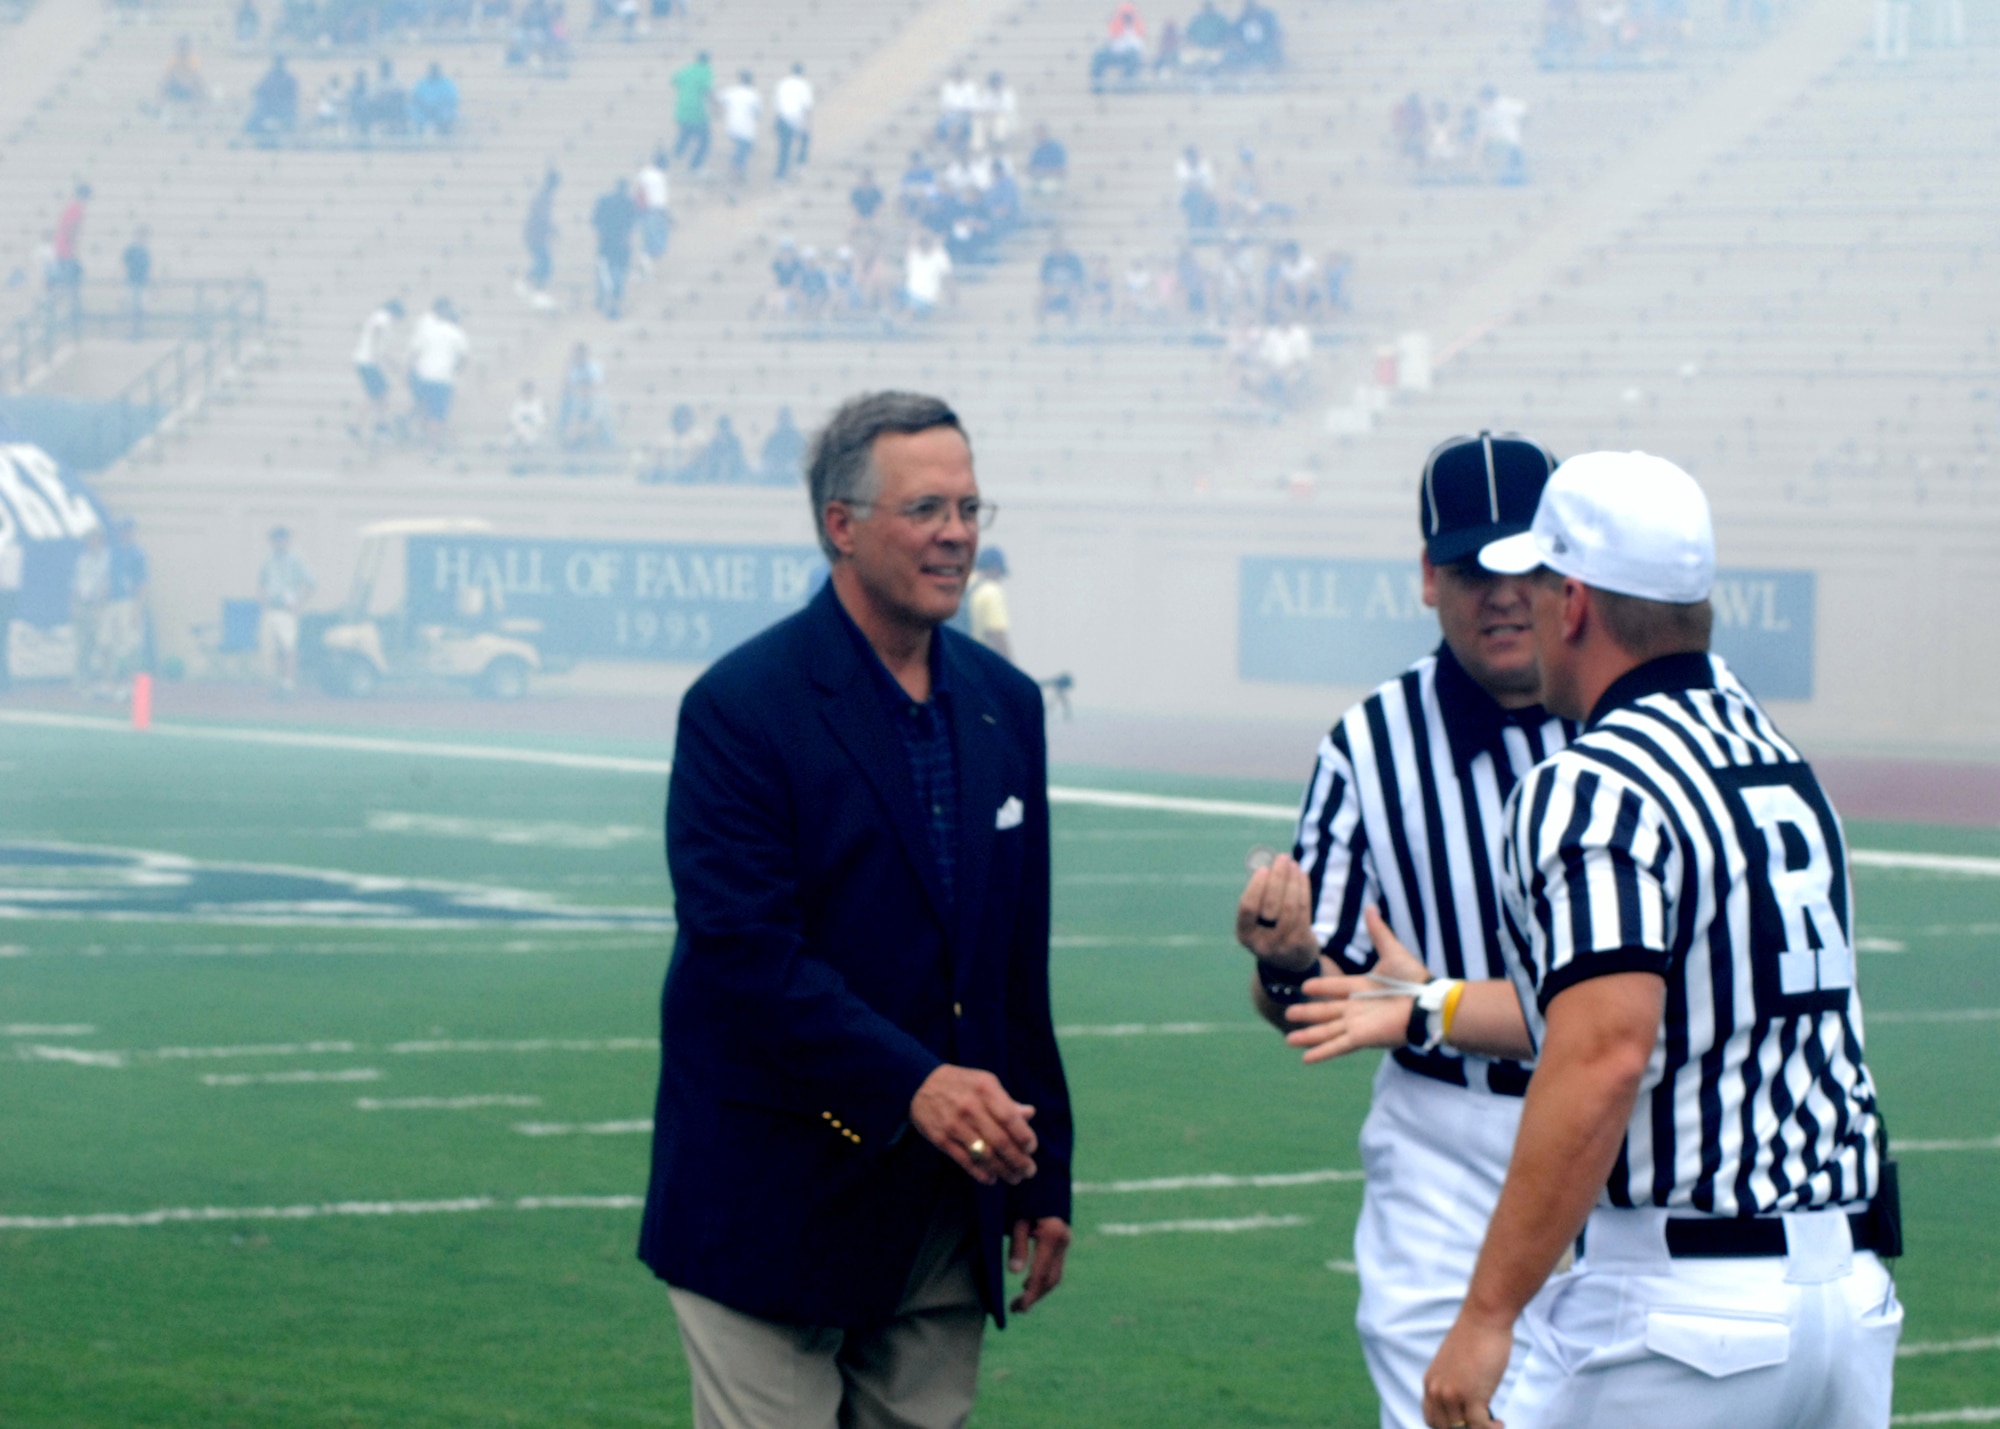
(372, 640)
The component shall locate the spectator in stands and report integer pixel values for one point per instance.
(1564, 33)
(926, 275)
(284, 584)
(865, 198)
(1248, 203)
(1258, 43)
(138, 261)
(918, 185)
(248, 22)
(1206, 42)
(613, 217)
(1123, 52)
(782, 461)
(996, 117)
(528, 421)
(1293, 291)
(1500, 120)
(540, 35)
(791, 109)
(672, 458)
(539, 234)
(1167, 58)
(67, 270)
(438, 350)
(1409, 128)
(390, 107)
(1892, 31)
(742, 111)
(583, 421)
(274, 103)
(694, 85)
(1048, 164)
(1273, 364)
(1063, 281)
(183, 87)
(330, 109)
(650, 195)
(1196, 177)
(958, 102)
(1441, 142)
(434, 102)
(371, 421)
(722, 461)
(1339, 268)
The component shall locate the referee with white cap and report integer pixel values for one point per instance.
(1404, 812)
(1680, 933)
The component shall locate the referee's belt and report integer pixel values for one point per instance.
(1645, 1232)
(1764, 1236)
(1506, 1079)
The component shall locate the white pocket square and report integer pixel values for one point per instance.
(1009, 816)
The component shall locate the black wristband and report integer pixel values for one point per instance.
(1418, 1033)
(1282, 985)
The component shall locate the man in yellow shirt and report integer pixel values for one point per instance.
(988, 603)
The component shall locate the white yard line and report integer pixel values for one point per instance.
(265, 1049)
(181, 1215)
(464, 1103)
(1215, 1181)
(256, 1079)
(1945, 1014)
(1216, 1227)
(1950, 1347)
(1899, 1147)
(530, 1044)
(47, 1029)
(1926, 862)
(584, 1128)
(1990, 1414)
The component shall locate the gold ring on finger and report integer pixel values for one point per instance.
(977, 1150)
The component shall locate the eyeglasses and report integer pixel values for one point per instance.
(930, 513)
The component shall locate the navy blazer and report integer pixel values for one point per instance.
(819, 976)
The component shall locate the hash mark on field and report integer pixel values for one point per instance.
(181, 1215)
(582, 1128)
(1950, 1347)
(1343, 1267)
(47, 1029)
(251, 1079)
(465, 1103)
(1215, 1181)
(79, 1056)
(1989, 1414)
(1984, 1143)
(1880, 945)
(1215, 1227)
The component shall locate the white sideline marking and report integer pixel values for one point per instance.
(88, 1057)
(1984, 1143)
(1171, 804)
(1343, 1267)
(202, 1214)
(532, 1044)
(1987, 1415)
(1157, 1029)
(47, 1029)
(582, 1128)
(1214, 1182)
(1927, 862)
(356, 744)
(249, 1079)
(268, 1049)
(1950, 1347)
(82, 1057)
(1222, 1227)
(533, 833)
(1946, 1014)
(1880, 945)
(465, 1103)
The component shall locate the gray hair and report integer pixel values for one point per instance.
(842, 466)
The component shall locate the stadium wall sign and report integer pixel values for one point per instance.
(619, 600)
(48, 514)
(75, 881)
(1313, 620)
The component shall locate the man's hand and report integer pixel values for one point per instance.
(1392, 959)
(1462, 1380)
(1051, 1237)
(1274, 917)
(1333, 1024)
(967, 1114)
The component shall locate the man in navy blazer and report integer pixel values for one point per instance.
(861, 1099)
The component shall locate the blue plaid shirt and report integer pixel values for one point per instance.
(925, 731)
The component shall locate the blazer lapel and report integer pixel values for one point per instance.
(852, 710)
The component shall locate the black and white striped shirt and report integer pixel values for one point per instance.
(1405, 812)
(1680, 834)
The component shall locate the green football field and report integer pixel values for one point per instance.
(324, 1075)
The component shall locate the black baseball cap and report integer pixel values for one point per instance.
(1479, 489)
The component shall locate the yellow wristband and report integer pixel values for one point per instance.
(1450, 1008)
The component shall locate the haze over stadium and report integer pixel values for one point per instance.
(1204, 299)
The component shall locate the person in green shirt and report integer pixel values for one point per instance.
(693, 84)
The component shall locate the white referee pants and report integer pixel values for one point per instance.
(1435, 1156)
(1635, 1339)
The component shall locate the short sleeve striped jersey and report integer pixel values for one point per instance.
(1405, 812)
(1680, 834)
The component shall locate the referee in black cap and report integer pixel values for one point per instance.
(1404, 814)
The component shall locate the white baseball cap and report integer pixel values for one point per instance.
(1620, 521)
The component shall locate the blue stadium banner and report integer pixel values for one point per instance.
(616, 600)
(1318, 621)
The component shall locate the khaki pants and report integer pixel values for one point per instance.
(916, 1372)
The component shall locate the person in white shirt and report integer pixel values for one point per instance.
(1500, 120)
(958, 101)
(372, 420)
(650, 195)
(438, 349)
(996, 115)
(529, 420)
(283, 584)
(742, 109)
(792, 105)
(925, 272)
